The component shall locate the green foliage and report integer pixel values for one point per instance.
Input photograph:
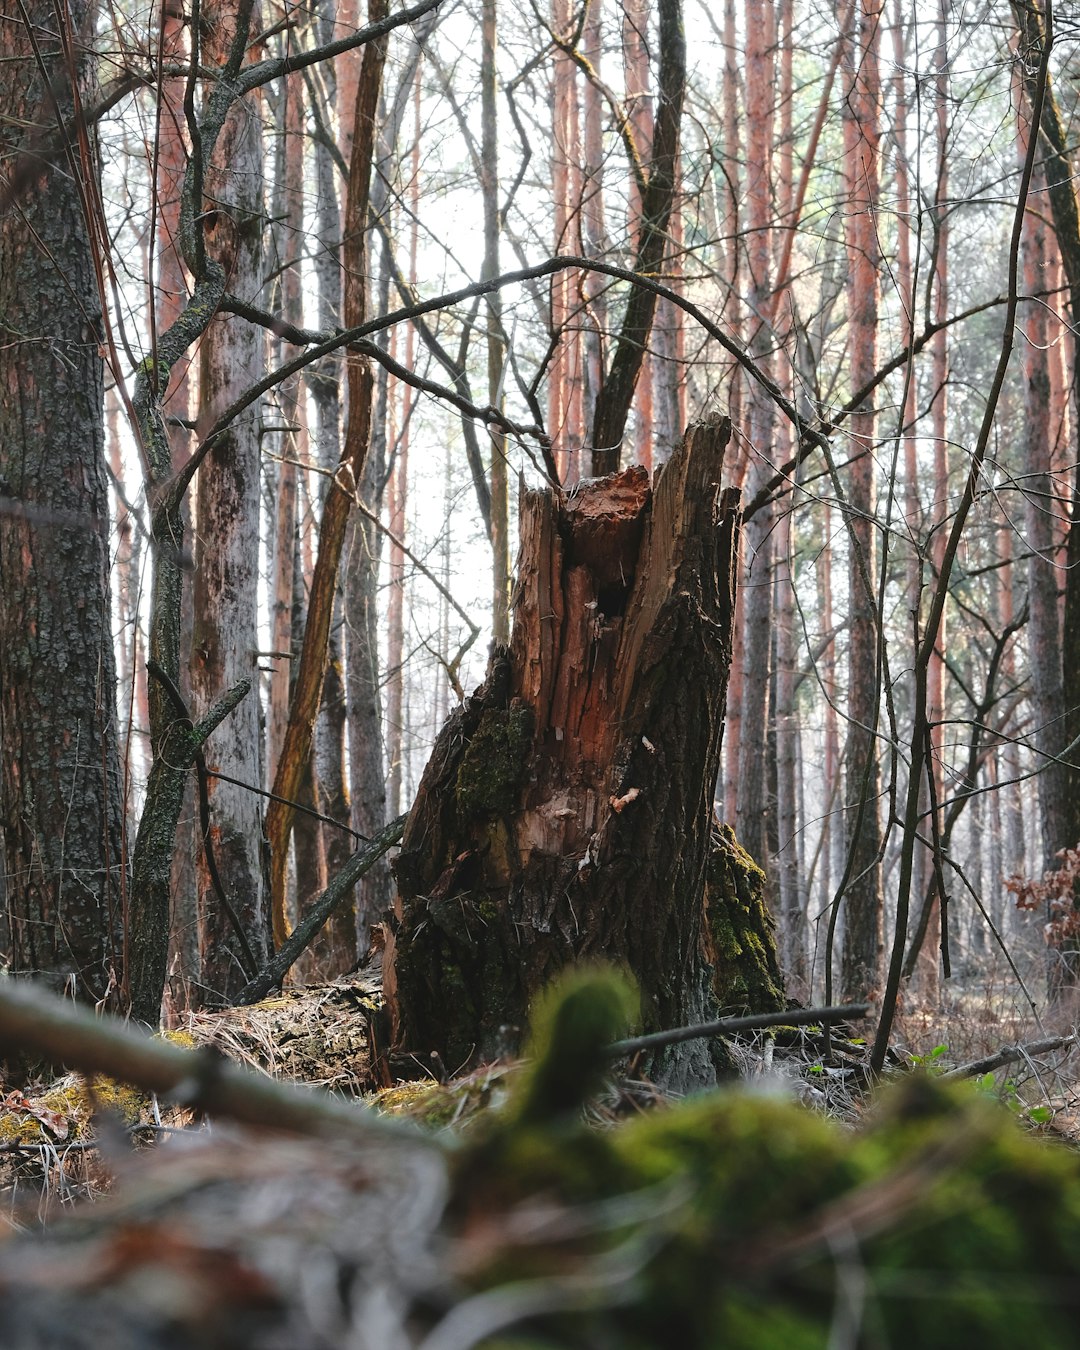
(746, 1221)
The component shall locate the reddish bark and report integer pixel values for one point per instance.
(863, 935)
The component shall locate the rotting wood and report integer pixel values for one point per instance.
(566, 813)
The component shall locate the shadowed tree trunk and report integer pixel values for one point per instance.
(566, 813)
(60, 800)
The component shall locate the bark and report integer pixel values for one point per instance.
(1044, 627)
(1059, 173)
(225, 632)
(171, 296)
(558, 376)
(863, 937)
(61, 814)
(639, 112)
(791, 908)
(594, 298)
(906, 285)
(489, 191)
(395, 619)
(929, 983)
(367, 768)
(753, 805)
(564, 818)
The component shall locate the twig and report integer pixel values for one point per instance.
(305, 931)
(246, 955)
(728, 1026)
(1008, 1055)
(65, 1033)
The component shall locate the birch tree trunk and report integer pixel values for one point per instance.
(225, 632)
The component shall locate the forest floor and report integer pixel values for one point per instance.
(254, 1227)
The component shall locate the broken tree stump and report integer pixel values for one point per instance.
(566, 813)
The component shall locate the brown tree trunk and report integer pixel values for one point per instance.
(61, 815)
(863, 939)
(566, 812)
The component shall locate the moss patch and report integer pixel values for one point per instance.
(746, 972)
(493, 766)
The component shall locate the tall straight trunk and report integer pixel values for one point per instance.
(732, 273)
(395, 616)
(593, 291)
(1059, 175)
(1015, 858)
(367, 766)
(832, 833)
(185, 974)
(61, 811)
(289, 208)
(905, 281)
(668, 366)
(753, 807)
(489, 191)
(635, 54)
(558, 380)
(1044, 627)
(733, 229)
(733, 716)
(225, 633)
(863, 938)
(935, 675)
(785, 720)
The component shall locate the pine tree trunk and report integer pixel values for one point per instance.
(863, 936)
(61, 818)
(566, 812)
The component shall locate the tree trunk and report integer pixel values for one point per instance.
(566, 812)
(225, 637)
(863, 939)
(60, 802)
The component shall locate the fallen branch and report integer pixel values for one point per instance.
(66, 1033)
(728, 1026)
(320, 910)
(1008, 1055)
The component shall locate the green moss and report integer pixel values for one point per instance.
(493, 765)
(746, 971)
(573, 1023)
(748, 1215)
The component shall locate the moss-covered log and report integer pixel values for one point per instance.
(566, 813)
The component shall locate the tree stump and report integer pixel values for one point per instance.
(566, 814)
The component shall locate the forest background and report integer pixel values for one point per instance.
(547, 241)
